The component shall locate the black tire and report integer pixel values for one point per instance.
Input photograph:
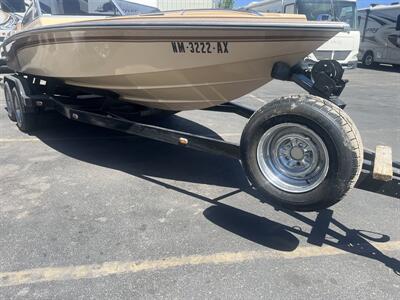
(368, 59)
(331, 125)
(26, 122)
(9, 102)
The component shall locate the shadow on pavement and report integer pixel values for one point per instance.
(140, 156)
(147, 159)
(257, 229)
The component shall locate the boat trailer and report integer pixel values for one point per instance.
(282, 127)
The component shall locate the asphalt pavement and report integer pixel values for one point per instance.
(88, 213)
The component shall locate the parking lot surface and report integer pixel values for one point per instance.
(87, 213)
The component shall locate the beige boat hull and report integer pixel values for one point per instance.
(141, 66)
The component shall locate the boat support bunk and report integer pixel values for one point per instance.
(300, 152)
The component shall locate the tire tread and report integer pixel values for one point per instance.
(349, 132)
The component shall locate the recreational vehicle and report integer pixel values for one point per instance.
(344, 46)
(8, 21)
(380, 34)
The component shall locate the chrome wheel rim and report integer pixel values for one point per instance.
(292, 157)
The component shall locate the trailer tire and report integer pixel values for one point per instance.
(301, 152)
(368, 59)
(9, 102)
(26, 122)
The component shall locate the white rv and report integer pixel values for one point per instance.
(344, 46)
(9, 21)
(380, 34)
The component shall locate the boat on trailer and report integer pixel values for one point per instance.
(178, 60)
(107, 69)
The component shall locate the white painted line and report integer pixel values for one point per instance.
(24, 140)
(49, 274)
(257, 98)
(19, 140)
(230, 134)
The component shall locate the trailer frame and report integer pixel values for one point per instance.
(37, 98)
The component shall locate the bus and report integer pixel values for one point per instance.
(380, 34)
(344, 46)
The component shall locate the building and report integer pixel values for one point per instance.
(178, 4)
(185, 4)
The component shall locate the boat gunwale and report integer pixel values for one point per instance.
(305, 26)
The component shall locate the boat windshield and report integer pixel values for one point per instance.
(329, 10)
(79, 7)
(131, 8)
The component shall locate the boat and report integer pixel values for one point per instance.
(177, 60)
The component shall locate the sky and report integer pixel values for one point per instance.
(360, 3)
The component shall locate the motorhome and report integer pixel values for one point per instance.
(380, 34)
(344, 46)
(8, 21)
(3, 20)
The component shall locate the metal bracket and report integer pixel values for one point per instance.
(323, 80)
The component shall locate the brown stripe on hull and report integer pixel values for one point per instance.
(42, 42)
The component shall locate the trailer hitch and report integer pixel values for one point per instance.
(323, 80)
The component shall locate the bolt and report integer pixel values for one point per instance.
(183, 141)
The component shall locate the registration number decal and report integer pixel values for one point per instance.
(200, 47)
